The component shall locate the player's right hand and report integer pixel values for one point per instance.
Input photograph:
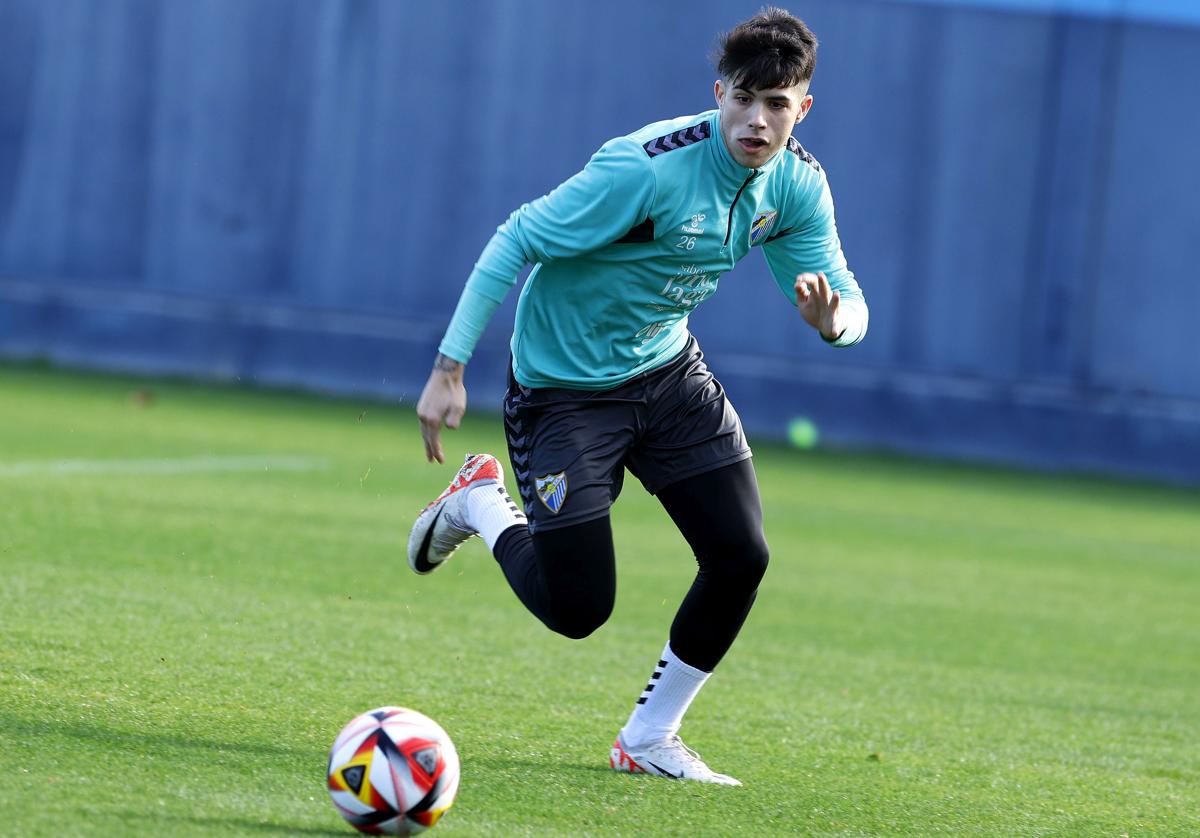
(818, 304)
(443, 401)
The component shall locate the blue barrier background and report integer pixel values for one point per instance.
(293, 193)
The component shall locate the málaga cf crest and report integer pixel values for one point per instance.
(552, 489)
(763, 222)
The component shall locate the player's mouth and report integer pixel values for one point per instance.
(752, 145)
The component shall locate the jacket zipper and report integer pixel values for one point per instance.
(729, 226)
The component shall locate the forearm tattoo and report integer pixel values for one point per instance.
(444, 364)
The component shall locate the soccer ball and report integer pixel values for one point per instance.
(393, 771)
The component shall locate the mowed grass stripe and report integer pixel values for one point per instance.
(937, 649)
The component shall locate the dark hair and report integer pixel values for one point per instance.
(771, 49)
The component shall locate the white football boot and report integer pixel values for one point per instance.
(667, 758)
(442, 527)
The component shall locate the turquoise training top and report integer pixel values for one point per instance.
(626, 248)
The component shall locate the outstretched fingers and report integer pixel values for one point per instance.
(824, 289)
(804, 287)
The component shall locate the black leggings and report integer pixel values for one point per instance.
(567, 577)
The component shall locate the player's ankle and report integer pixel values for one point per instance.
(489, 510)
(639, 736)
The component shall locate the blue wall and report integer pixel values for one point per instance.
(293, 193)
(1163, 11)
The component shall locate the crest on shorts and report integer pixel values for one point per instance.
(552, 489)
(762, 224)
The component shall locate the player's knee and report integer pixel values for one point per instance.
(581, 619)
(755, 557)
(741, 565)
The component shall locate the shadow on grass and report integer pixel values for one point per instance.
(144, 741)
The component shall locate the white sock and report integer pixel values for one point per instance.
(659, 711)
(491, 511)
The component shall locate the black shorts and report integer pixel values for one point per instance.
(569, 448)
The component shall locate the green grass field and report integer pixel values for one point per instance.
(202, 585)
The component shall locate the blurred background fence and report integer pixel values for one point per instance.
(292, 193)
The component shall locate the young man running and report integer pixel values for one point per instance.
(605, 375)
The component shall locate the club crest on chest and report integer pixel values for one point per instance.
(763, 222)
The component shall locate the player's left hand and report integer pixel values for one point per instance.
(818, 304)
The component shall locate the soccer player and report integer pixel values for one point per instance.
(606, 377)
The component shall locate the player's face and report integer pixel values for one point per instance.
(757, 123)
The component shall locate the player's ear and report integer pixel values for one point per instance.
(718, 91)
(805, 106)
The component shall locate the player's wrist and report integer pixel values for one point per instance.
(448, 366)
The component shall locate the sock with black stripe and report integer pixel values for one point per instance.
(659, 712)
(491, 511)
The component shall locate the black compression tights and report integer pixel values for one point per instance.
(567, 577)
